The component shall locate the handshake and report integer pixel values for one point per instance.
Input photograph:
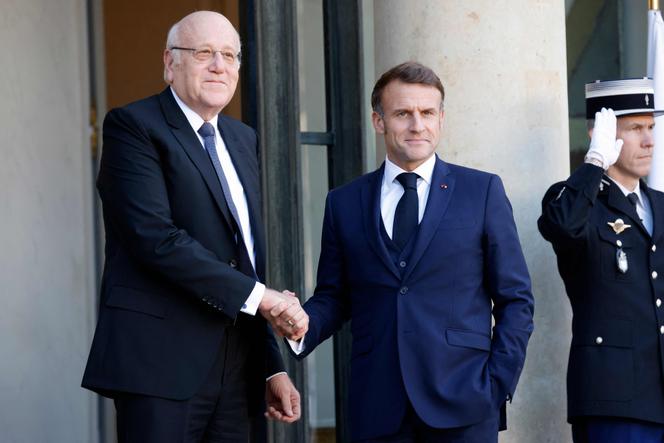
(285, 314)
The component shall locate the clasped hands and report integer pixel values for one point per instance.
(285, 314)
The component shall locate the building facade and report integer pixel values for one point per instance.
(511, 71)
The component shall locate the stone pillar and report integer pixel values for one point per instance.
(47, 272)
(504, 69)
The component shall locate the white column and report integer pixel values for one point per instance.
(504, 69)
(47, 291)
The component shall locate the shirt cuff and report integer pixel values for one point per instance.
(274, 375)
(594, 158)
(251, 305)
(296, 346)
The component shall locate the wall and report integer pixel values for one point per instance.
(47, 289)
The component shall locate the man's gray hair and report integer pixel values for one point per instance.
(172, 40)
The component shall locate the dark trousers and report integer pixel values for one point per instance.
(414, 430)
(616, 430)
(216, 413)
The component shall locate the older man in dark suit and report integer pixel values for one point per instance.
(180, 344)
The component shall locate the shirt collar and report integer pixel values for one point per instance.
(195, 120)
(425, 170)
(626, 191)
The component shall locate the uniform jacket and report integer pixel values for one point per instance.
(171, 284)
(615, 363)
(422, 327)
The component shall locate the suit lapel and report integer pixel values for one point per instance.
(440, 194)
(192, 146)
(372, 218)
(617, 201)
(249, 179)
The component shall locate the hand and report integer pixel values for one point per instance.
(285, 314)
(283, 400)
(604, 147)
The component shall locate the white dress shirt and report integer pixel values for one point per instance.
(391, 190)
(237, 193)
(643, 209)
(390, 194)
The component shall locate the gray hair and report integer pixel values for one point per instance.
(172, 38)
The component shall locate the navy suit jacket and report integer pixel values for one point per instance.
(171, 284)
(422, 332)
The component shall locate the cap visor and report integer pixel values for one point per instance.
(656, 113)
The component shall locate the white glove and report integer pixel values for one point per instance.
(604, 148)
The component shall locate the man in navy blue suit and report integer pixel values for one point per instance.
(420, 254)
(182, 344)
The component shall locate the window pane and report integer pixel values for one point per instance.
(311, 72)
(320, 364)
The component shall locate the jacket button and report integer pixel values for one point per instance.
(654, 248)
(654, 275)
(599, 340)
(233, 263)
(402, 264)
(661, 329)
(619, 243)
(658, 302)
(403, 290)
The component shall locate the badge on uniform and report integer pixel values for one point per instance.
(619, 225)
(621, 260)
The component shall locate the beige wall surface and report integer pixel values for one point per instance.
(504, 69)
(47, 289)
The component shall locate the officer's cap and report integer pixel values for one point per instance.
(625, 97)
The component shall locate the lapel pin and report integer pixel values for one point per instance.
(619, 225)
(443, 186)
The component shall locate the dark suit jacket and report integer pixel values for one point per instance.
(422, 330)
(616, 365)
(171, 286)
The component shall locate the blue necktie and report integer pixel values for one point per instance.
(406, 214)
(207, 132)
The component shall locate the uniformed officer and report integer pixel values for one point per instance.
(607, 230)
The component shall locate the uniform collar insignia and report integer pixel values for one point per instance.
(619, 225)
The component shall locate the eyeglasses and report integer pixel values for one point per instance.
(207, 54)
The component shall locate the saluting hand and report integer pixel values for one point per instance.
(604, 147)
